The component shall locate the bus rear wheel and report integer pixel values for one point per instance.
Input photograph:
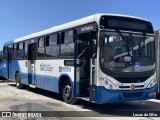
(19, 85)
(67, 94)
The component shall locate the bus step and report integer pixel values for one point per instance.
(87, 99)
(84, 98)
(32, 86)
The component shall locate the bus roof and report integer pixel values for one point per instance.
(79, 22)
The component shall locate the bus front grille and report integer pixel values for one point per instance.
(136, 86)
(131, 79)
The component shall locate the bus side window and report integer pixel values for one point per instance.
(14, 53)
(14, 47)
(21, 46)
(52, 47)
(5, 52)
(10, 51)
(67, 44)
(41, 48)
(10, 47)
(26, 49)
(20, 50)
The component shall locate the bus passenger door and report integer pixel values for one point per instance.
(82, 65)
(93, 60)
(85, 53)
(31, 64)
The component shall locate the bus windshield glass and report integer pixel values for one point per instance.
(127, 52)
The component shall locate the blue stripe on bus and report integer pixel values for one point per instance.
(50, 83)
(14, 66)
(106, 96)
(42, 81)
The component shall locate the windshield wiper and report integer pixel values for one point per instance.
(120, 33)
(126, 40)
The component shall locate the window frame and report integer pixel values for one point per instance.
(62, 42)
(52, 45)
(40, 47)
(20, 46)
(39, 42)
(14, 47)
(5, 53)
(20, 51)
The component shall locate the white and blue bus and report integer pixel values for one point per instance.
(102, 58)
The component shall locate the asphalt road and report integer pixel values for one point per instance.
(13, 99)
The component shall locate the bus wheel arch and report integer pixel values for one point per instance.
(65, 88)
(16, 74)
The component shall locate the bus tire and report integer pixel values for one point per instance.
(67, 94)
(19, 85)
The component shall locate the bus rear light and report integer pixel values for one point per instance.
(152, 93)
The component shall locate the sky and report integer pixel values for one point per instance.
(22, 17)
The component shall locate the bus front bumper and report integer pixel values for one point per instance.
(104, 95)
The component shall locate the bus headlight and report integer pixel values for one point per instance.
(109, 85)
(106, 82)
(152, 83)
(101, 78)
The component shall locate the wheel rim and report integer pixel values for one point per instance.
(67, 91)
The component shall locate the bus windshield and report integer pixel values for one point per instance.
(127, 52)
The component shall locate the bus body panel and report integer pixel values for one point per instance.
(157, 42)
(16, 66)
(47, 82)
(5, 69)
(112, 96)
(44, 79)
(47, 73)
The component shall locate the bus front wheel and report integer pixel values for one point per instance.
(67, 94)
(19, 85)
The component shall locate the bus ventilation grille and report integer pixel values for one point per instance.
(131, 79)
